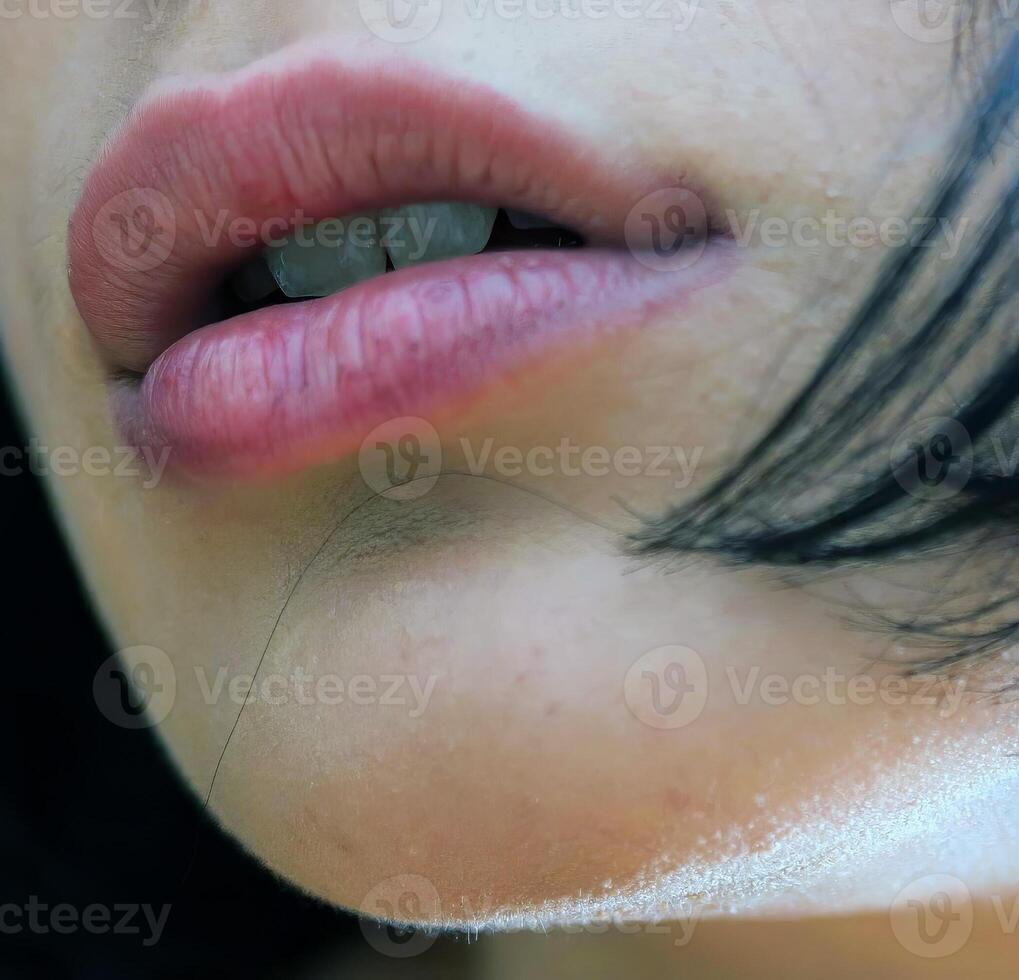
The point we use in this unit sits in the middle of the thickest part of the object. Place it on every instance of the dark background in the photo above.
(93, 813)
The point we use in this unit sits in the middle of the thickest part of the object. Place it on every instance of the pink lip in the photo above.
(293, 385)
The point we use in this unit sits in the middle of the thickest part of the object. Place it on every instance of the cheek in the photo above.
(499, 764)
(396, 733)
(502, 765)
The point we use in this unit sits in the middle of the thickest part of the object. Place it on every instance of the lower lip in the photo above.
(294, 385)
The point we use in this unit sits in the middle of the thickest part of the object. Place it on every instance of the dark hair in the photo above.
(893, 448)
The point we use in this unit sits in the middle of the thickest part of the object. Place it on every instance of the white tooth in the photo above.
(426, 232)
(254, 281)
(331, 256)
(525, 221)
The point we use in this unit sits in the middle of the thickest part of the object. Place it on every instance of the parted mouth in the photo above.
(277, 261)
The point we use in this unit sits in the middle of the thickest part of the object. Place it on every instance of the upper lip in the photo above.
(320, 140)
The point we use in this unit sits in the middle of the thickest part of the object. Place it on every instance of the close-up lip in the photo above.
(286, 386)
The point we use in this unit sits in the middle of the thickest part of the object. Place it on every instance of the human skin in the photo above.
(530, 786)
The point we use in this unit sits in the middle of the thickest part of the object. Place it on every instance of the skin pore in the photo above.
(515, 775)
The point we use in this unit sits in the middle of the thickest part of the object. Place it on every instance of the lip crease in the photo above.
(298, 384)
